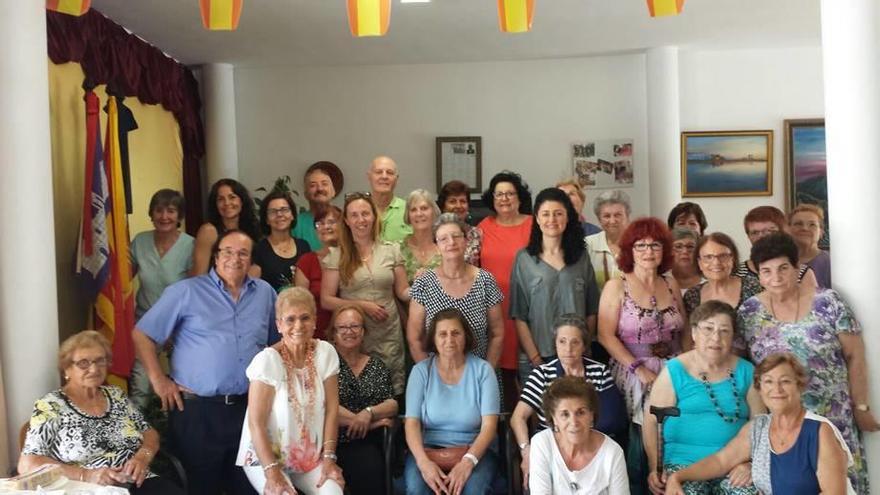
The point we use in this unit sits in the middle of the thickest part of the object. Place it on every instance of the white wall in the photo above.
(748, 90)
(528, 114)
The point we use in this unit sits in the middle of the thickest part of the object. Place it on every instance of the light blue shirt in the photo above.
(215, 338)
(452, 414)
(158, 272)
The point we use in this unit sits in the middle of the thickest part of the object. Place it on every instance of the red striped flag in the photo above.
(70, 7)
(369, 17)
(220, 15)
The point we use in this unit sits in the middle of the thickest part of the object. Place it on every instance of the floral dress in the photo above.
(296, 421)
(61, 431)
(814, 340)
(412, 264)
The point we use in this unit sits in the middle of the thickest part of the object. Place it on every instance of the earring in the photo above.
(66, 378)
(555, 429)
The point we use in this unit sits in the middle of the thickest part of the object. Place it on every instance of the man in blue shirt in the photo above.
(218, 322)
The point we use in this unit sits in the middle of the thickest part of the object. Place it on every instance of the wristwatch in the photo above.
(863, 407)
(471, 457)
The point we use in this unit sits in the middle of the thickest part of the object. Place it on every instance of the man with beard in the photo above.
(322, 182)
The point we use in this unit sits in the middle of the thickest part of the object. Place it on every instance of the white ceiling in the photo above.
(315, 32)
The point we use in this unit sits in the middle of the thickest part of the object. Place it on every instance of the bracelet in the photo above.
(329, 441)
(523, 445)
(330, 455)
(369, 409)
(267, 467)
(633, 366)
(471, 457)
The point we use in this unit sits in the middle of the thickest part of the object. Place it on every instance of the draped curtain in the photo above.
(110, 55)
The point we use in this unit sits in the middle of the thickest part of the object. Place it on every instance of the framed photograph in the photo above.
(727, 163)
(460, 158)
(806, 171)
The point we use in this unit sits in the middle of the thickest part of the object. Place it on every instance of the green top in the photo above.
(412, 265)
(305, 229)
(393, 228)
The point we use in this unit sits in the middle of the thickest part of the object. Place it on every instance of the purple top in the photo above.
(638, 328)
(821, 266)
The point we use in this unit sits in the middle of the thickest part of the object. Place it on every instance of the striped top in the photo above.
(751, 282)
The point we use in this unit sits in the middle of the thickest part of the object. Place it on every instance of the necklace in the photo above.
(704, 377)
(306, 377)
(797, 311)
(784, 439)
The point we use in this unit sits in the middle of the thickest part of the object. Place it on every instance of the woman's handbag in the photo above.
(447, 457)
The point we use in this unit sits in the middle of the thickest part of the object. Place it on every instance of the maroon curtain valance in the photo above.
(130, 66)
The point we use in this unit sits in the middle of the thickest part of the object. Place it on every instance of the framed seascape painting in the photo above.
(806, 177)
(727, 163)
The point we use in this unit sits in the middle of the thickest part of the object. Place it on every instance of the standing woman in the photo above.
(716, 260)
(308, 268)
(612, 209)
(160, 257)
(552, 276)
(687, 215)
(277, 253)
(418, 249)
(230, 207)
(684, 245)
(368, 273)
(453, 198)
(805, 224)
(576, 194)
(505, 233)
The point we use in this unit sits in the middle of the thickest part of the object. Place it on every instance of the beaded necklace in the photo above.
(302, 410)
(704, 378)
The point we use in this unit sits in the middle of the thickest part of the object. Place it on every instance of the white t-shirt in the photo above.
(548, 474)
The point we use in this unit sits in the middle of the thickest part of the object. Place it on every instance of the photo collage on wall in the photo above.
(603, 163)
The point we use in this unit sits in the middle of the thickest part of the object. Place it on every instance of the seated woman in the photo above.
(293, 400)
(452, 406)
(712, 388)
(91, 430)
(572, 457)
(572, 341)
(366, 403)
(792, 449)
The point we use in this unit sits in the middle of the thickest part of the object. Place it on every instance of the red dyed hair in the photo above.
(765, 214)
(639, 229)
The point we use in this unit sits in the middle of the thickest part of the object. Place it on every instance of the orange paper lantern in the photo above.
(220, 15)
(369, 17)
(661, 8)
(70, 7)
(515, 16)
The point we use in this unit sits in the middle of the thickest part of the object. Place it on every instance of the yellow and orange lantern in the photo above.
(70, 7)
(515, 16)
(369, 17)
(220, 15)
(662, 8)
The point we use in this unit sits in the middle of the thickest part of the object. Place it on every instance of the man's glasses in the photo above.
(230, 253)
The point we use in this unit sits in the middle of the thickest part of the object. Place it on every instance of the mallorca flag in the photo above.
(220, 15)
(93, 253)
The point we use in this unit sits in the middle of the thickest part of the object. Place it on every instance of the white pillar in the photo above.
(28, 292)
(221, 147)
(663, 129)
(851, 64)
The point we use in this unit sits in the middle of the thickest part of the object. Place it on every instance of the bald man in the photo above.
(383, 177)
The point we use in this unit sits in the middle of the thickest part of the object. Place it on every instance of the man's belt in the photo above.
(229, 400)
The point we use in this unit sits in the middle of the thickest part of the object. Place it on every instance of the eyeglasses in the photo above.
(709, 330)
(357, 195)
(277, 212)
(85, 364)
(328, 222)
(230, 253)
(449, 238)
(349, 328)
(722, 258)
(504, 194)
(644, 246)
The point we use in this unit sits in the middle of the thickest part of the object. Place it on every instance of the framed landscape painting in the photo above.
(727, 163)
(806, 176)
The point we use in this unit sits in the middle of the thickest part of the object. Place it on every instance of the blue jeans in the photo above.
(479, 483)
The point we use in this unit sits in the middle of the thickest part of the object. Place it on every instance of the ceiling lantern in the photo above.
(515, 16)
(70, 7)
(220, 15)
(369, 17)
(662, 8)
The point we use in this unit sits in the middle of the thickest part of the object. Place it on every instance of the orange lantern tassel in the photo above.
(70, 7)
(220, 15)
(662, 8)
(515, 16)
(369, 17)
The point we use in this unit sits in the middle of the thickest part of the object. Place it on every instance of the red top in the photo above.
(310, 266)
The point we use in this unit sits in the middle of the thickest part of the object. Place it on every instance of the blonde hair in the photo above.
(349, 260)
(774, 361)
(295, 296)
(576, 185)
(420, 195)
(807, 208)
(77, 341)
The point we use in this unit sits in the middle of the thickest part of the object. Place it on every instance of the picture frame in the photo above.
(460, 158)
(727, 163)
(806, 168)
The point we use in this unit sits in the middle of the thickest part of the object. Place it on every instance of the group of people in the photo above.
(294, 337)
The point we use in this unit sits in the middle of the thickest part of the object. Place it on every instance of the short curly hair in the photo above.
(764, 214)
(687, 208)
(639, 229)
(77, 341)
(264, 209)
(569, 387)
(718, 238)
(773, 361)
(774, 246)
(522, 191)
(451, 188)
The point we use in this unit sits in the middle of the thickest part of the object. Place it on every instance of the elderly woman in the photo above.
(277, 253)
(712, 388)
(571, 456)
(89, 429)
(641, 324)
(453, 198)
(687, 215)
(575, 193)
(572, 341)
(230, 207)
(452, 405)
(792, 449)
(460, 285)
(293, 403)
(818, 327)
(505, 233)
(760, 222)
(366, 403)
(160, 257)
(419, 251)
(308, 268)
(551, 276)
(612, 208)
(805, 224)
(716, 259)
(368, 273)
(684, 269)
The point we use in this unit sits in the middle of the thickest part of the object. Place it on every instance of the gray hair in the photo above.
(448, 219)
(420, 195)
(295, 296)
(680, 233)
(613, 197)
(573, 320)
